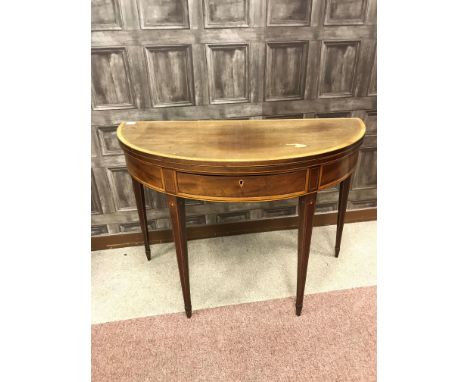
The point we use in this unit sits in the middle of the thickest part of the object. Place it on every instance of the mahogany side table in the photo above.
(241, 161)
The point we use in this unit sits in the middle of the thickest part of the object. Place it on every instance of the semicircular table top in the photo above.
(241, 140)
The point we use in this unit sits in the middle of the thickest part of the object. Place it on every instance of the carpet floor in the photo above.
(333, 340)
(228, 270)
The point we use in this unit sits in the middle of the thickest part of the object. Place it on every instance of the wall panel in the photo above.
(373, 80)
(338, 68)
(163, 14)
(170, 75)
(346, 12)
(111, 85)
(122, 189)
(108, 143)
(228, 73)
(95, 202)
(226, 13)
(105, 15)
(285, 70)
(288, 13)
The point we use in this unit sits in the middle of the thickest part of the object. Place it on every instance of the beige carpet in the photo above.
(333, 340)
(227, 271)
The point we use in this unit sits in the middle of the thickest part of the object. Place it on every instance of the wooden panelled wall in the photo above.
(221, 59)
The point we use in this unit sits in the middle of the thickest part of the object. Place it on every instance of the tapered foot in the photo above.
(298, 310)
(188, 311)
(337, 251)
(148, 253)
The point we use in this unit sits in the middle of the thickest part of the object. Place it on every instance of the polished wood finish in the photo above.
(228, 229)
(306, 216)
(342, 202)
(232, 141)
(249, 187)
(140, 203)
(338, 170)
(241, 161)
(151, 174)
(177, 212)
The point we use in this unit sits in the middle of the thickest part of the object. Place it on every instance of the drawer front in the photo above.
(147, 173)
(251, 187)
(336, 171)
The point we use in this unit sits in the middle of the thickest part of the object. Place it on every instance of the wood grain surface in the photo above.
(237, 141)
(241, 161)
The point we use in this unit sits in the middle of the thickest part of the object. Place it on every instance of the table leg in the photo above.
(177, 211)
(343, 201)
(139, 192)
(306, 216)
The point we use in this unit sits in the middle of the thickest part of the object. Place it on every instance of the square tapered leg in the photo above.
(139, 192)
(177, 211)
(306, 216)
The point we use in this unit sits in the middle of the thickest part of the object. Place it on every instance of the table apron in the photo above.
(242, 187)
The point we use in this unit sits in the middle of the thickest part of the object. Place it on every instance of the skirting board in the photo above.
(227, 229)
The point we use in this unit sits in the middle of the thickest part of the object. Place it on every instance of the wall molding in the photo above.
(228, 229)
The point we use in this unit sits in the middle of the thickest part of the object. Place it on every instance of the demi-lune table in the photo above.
(241, 161)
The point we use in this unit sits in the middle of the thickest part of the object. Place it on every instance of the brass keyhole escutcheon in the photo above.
(241, 183)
